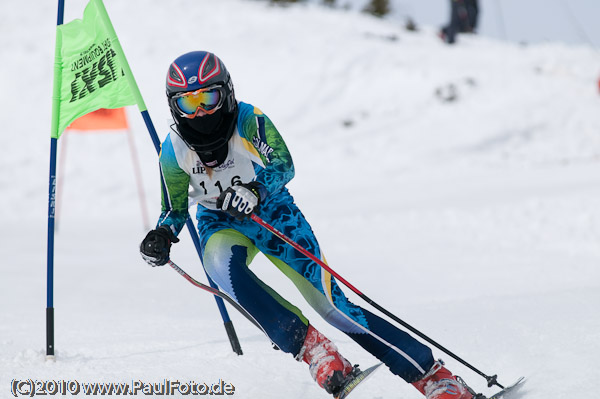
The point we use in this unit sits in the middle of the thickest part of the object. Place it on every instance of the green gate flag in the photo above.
(88, 69)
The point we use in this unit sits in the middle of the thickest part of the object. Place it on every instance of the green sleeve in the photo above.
(174, 189)
(258, 129)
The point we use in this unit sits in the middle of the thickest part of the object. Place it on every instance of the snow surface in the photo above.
(477, 221)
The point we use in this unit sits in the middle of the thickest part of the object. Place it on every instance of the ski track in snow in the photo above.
(476, 220)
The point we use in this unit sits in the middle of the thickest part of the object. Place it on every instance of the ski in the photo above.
(498, 394)
(361, 376)
(509, 388)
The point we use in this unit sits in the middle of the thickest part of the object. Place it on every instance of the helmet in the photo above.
(202, 102)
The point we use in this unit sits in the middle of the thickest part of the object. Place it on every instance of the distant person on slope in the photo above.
(463, 19)
(229, 158)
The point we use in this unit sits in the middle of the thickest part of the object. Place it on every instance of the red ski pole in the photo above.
(491, 380)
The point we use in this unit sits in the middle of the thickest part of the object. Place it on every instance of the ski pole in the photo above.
(234, 343)
(491, 380)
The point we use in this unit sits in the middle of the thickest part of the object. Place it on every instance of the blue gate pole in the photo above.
(52, 200)
(50, 252)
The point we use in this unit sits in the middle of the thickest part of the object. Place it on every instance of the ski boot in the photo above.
(439, 383)
(327, 367)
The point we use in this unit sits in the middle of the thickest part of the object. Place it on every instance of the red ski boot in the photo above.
(328, 368)
(439, 383)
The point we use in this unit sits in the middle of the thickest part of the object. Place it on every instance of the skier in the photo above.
(229, 158)
(463, 19)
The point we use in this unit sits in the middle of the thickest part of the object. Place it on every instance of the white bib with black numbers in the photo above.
(206, 184)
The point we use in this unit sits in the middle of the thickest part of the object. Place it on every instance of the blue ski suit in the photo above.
(258, 153)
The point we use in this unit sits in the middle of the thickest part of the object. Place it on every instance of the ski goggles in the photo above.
(200, 102)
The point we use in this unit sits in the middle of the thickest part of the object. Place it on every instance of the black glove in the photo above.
(240, 200)
(156, 246)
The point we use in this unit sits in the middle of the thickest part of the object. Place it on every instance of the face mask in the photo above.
(207, 124)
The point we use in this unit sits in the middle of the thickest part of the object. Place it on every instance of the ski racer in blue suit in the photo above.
(229, 159)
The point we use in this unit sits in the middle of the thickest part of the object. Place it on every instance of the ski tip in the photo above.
(360, 377)
(521, 380)
(505, 392)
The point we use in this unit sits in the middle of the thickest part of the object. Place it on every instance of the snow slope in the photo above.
(476, 220)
